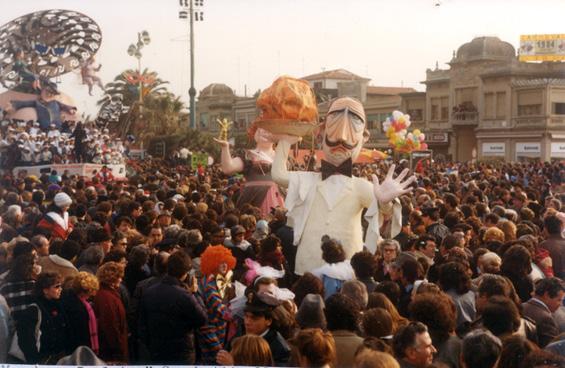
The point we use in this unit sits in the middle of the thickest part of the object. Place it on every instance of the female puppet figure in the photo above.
(88, 73)
(259, 189)
(216, 265)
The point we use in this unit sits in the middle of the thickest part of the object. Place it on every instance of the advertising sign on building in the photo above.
(558, 149)
(437, 137)
(530, 148)
(494, 148)
(548, 47)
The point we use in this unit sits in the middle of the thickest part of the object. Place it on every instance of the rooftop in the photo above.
(388, 91)
(485, 48)
(216, 89)
(341, 74)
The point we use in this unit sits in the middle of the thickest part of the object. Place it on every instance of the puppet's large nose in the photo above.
(344, 130)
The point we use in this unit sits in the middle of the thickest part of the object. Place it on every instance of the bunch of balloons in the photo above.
(396, 130)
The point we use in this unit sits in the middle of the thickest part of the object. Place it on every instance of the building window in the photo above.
(490, 105)
(317, 85)
(558, 108)
(435, 112)
(530, 102)
(439, 108)
(416, 114)
(204, 120)
(373, 121)
(444, 108)
(529, 110)
(501, 105)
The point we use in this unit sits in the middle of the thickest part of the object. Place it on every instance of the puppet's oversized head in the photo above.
(344, 130)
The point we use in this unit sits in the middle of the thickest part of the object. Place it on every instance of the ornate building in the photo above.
(488, 105)
(214, 102)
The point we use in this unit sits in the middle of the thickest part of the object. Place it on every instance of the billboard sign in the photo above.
(548, 47)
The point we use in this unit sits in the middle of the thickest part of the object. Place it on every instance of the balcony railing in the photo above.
(465, 118)
(532, 122)
(557, 120)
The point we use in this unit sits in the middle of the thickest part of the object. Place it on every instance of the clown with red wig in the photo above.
(216, 265)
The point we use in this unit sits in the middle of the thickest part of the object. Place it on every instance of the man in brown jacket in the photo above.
(555, 244)
(62, 261)
(341, 315)
(548, 297)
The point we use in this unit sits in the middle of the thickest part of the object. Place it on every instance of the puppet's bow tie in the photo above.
(344, 169)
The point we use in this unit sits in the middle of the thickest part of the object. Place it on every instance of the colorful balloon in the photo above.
(395, 128)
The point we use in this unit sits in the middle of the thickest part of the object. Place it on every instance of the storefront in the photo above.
(493, 151)
(439, 143)
(558, 150)
(527, 151)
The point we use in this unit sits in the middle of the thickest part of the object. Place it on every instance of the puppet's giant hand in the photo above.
(392, 188)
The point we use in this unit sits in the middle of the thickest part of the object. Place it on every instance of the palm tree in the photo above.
(163, 112)
(125, 89)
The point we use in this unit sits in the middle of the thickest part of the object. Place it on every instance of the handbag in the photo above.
(15, 350)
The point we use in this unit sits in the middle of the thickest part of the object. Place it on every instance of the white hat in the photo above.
(62, 200)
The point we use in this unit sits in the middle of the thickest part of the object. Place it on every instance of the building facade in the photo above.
(488, 105)
(218, 101)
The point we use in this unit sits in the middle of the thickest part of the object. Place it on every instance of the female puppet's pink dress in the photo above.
(259, 190)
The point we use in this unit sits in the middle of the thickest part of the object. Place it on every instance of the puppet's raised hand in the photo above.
(221, 142)
(392, 188)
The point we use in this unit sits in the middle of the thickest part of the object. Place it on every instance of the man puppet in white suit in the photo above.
(331, 202)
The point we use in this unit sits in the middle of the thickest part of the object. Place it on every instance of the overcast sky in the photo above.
(251, 42)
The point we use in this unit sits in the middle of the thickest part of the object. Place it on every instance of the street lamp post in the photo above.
(193, 13)
(134, 50)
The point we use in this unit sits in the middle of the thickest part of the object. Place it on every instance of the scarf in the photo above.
(62, 221)
(92, 325)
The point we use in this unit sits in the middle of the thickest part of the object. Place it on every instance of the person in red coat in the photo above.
(105, 175)
(56, 220)
(111, 314)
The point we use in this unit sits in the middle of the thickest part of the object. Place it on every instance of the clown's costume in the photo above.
(217, 264)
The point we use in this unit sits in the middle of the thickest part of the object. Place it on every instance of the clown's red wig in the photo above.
(213, 257)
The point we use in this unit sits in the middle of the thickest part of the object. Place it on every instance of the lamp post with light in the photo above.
(134, 50)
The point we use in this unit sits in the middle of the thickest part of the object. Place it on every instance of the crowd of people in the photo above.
(27, 144)
(166, 269)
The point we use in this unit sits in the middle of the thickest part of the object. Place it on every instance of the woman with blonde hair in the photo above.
(111, 314)
(508, 228)
(83, 327)
(247, 350)
(493, 234)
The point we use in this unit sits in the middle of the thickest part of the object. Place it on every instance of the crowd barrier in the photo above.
(84, 170)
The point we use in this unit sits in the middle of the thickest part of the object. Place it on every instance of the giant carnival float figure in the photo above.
(259, 189)
(329, 202)
(34, 50)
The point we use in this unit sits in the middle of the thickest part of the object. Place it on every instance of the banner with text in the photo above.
(85, 170)
(545, 47)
